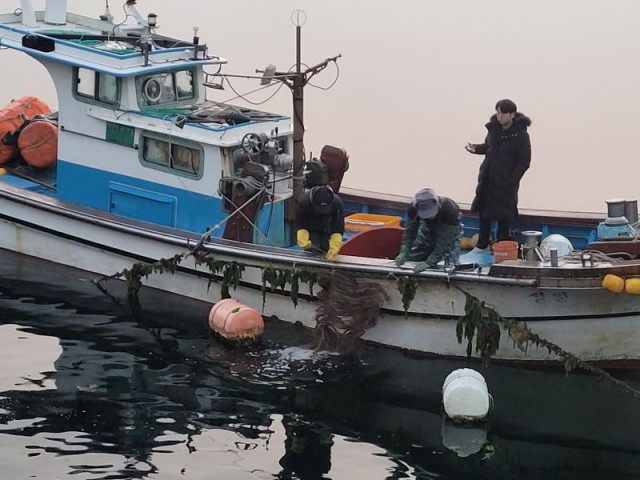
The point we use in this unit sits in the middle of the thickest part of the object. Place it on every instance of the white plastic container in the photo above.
(55, 12)
(465, 396)
(28, 13)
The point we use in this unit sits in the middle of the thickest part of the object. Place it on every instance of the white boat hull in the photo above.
(592, 323)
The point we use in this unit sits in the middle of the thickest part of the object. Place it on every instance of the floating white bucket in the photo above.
(465, 396)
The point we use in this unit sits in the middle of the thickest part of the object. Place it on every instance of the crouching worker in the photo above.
(320, 221)
(432, 232)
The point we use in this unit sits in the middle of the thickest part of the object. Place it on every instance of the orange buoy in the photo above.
(12, 118)
(38, 144)
(235, 321)
(613, 283)
(632, 286)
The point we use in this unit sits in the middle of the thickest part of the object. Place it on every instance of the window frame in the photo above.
(142, 82)
(97, 83)
(171, 141)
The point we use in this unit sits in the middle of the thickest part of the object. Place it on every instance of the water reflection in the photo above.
(27, 359)
(117, 400)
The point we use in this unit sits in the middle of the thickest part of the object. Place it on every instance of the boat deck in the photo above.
(21, 175)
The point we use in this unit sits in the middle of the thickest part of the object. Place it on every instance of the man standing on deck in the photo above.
(320, 221)
(507, 150)
(432, 232)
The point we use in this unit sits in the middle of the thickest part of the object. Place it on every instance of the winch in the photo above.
(530, 250)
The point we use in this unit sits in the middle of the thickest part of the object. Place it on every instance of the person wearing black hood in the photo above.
(507, 150)
(320, 221)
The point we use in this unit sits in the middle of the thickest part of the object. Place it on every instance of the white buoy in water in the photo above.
(465, 396)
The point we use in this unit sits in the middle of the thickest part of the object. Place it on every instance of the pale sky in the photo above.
(418, 79)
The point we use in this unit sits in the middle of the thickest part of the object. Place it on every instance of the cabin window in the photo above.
(167, 155)
(184, 84)
(165, 88)
(97, 87)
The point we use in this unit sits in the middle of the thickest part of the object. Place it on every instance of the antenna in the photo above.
(268, 74)
(106, 16)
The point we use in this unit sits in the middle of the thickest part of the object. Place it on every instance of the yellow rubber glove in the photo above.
(335, 242)
(303, 238)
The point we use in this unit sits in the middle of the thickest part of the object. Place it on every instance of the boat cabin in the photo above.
(137, 136)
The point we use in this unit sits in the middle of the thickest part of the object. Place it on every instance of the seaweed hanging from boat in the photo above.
(214, 266)
(133, 276)
(231, 276)
(483, 322)
(407, 287)
(231, 272)
(277, 278)
(281, 277)
(347, 307)
(228, 273)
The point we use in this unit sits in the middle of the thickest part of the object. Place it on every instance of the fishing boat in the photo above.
(139, 175)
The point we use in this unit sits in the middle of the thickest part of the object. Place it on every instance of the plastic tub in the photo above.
(360, 222)
(505, 250)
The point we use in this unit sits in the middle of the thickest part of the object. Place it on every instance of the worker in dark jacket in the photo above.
(507, 150)
(432, 231)
(320, 221)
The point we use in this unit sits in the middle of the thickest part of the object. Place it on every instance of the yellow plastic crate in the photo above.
(360, 222)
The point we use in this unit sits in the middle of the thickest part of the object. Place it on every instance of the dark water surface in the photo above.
(90, 391)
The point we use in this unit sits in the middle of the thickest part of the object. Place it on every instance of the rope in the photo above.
(596, 255)
(238, 211)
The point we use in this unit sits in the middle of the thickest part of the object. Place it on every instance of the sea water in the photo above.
(90, 389)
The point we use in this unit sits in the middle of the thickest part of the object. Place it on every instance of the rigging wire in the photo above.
(243, 95)
(238, 211)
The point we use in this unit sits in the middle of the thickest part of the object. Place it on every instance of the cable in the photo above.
(242, 96)
(238, 210)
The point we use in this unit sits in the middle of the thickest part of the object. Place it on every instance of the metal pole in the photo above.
(298, 127)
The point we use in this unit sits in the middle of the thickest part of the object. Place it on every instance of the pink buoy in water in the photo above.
(235, 321)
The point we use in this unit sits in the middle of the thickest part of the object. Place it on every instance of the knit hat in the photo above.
(322, 199)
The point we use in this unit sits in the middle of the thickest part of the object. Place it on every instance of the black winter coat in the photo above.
(507, 157)
(320, 227)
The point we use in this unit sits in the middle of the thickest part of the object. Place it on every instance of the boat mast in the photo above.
(296, 82)
(297, 90)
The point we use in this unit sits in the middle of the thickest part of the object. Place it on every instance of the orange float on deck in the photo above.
(12, 118)
(38, 144)
(235, 321)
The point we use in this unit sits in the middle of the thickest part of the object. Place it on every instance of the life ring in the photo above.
(152, 89)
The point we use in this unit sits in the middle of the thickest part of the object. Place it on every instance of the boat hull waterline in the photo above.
(592, 323)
